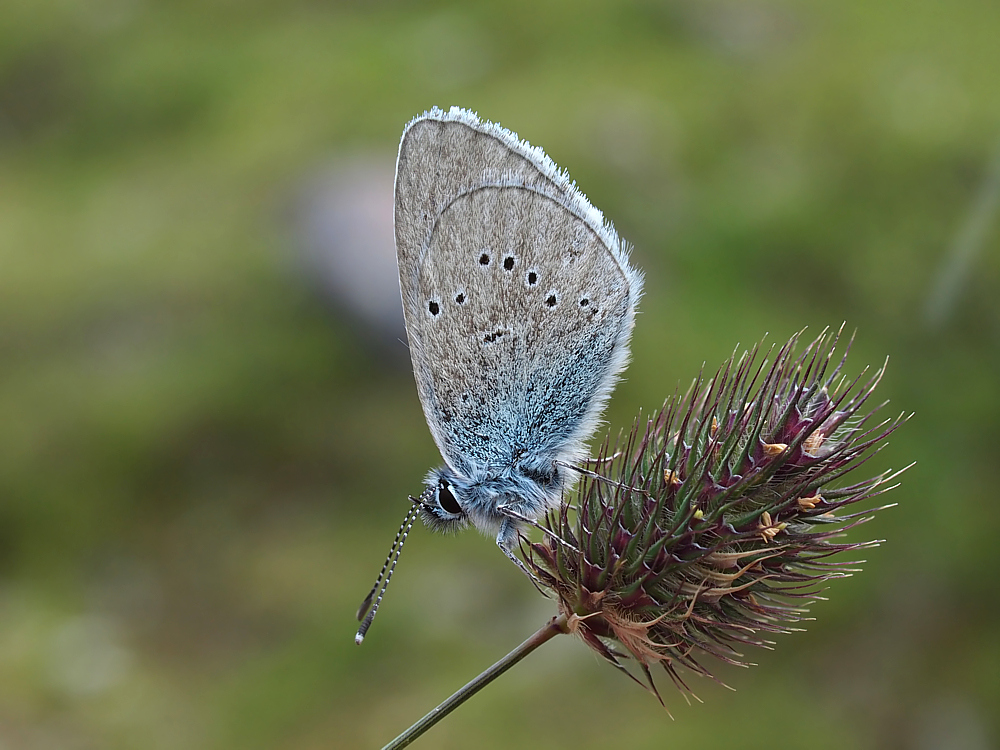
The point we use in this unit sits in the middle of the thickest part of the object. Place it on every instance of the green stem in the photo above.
(554, 627)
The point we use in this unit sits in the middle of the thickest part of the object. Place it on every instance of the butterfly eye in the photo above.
(446, 499)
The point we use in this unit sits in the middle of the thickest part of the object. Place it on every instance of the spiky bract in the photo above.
(711, 525)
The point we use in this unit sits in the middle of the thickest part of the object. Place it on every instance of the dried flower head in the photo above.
(711, 526)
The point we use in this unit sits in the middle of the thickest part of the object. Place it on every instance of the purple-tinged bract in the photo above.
(712, 525)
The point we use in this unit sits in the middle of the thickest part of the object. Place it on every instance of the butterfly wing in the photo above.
(518, 297)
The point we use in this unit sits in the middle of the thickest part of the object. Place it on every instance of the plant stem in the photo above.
(554, 627)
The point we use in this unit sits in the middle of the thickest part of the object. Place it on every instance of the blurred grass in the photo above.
(201, 467)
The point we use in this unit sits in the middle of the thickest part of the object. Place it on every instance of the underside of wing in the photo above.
(518, 297)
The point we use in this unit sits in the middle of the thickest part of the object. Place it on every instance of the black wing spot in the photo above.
(508, 263)
(433, 307)
(484, 259)
(532, 278)
(551, 300)
(460, 298)
(584, 302)
(489, 338)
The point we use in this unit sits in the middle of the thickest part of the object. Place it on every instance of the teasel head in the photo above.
(713, 525)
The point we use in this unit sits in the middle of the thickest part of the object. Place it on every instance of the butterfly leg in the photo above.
(602, 459)
(506, 539)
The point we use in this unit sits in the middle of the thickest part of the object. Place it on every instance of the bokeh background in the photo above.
(208, 426)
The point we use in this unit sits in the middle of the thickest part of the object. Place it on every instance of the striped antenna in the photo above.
(368, 608)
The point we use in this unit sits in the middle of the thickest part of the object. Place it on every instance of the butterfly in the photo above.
(519, 302)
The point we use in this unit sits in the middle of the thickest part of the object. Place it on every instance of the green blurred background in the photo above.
(207, 443)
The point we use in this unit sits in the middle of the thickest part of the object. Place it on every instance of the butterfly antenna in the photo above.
(367, 609)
